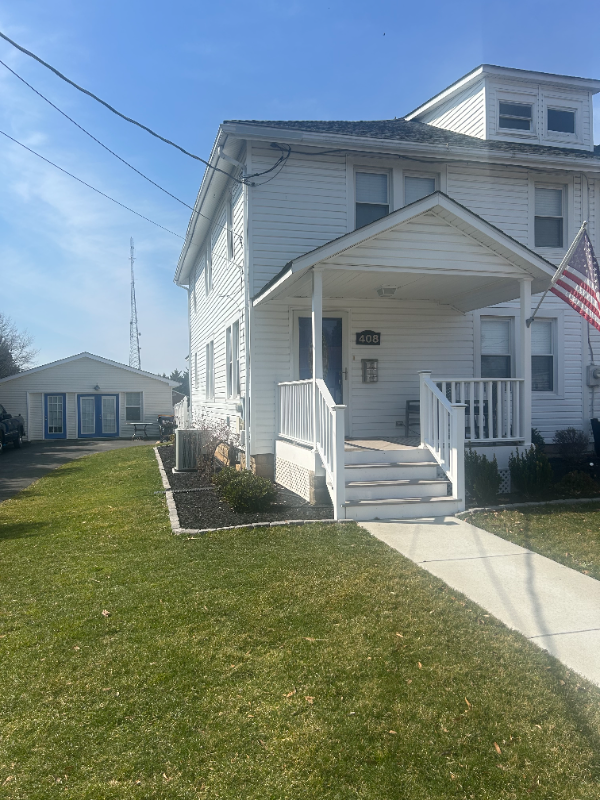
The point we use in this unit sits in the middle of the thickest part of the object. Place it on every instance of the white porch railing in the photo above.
(493, 407)
(443, 433)
(308, 415)
(295, 407)
(182, 414)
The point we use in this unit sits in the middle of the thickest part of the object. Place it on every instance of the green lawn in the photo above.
(280, 663)
(568, 534)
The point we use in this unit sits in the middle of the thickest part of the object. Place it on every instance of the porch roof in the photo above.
(434, 249)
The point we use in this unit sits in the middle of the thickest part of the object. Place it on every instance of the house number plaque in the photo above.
(368, 337)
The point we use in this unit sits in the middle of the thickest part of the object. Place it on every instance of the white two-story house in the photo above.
(414, 250)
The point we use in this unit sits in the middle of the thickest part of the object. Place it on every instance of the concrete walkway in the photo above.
(20, 468)
(553, 606)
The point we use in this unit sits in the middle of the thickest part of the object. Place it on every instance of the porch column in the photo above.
(317, 338)
(317, 322)
(525, 360)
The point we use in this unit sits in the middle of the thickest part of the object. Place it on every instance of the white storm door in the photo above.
(109, 415)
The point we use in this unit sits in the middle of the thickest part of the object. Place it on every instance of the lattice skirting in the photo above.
(295, 478)
(505, 482)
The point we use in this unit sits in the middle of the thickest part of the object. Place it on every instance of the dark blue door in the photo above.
(332, 354)
(55, 416)
(98, 415)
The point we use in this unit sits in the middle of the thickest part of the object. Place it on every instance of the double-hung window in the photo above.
(196, 376)
(496, 347)
(372, 197)
(133, 406)
(515, 116)
(232, 358)
(229, 226)
(549, 216)
(542, 355)
(209, 383)
(561, 121)
(208, 276)
(417, 186)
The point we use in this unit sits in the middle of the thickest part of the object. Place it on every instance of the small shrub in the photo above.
(538, 440)
(530, 473)
(572, 444)
(248, 492)
(213, 433)
(482, 478)
(577, 484)
(224, 477)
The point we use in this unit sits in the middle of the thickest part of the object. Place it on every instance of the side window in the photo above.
(208, 279)
(496, 347)
(543, 359)
(561, 121)
(229, 224)
(549, 216)
(196, 376)
(232, 359)
(372, 197)
(133, 406)
(209, 386)
(514, 116)
(417, 186)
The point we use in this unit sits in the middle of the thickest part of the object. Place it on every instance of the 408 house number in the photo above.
(368, 337)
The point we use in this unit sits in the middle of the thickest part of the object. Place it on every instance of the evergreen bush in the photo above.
(224, 476)
(572, 444)
(248, 492)
(577, 484)
(538, 440)
(482, 478)
(530, 473)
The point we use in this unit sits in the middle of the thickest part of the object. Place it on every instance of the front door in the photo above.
(55, 416)
(334, 372)
(98, 415)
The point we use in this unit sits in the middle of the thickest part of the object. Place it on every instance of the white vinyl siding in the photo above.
(133, 406)
(464, 113)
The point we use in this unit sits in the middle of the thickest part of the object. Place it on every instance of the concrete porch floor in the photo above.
(395, 443)
(553, 606)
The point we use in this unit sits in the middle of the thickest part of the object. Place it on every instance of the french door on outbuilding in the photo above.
(98, 415)
(55, 416)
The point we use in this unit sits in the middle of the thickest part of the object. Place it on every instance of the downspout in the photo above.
(248, 307)
(190, 360)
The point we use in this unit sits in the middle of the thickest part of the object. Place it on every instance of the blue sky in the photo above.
(181, 68)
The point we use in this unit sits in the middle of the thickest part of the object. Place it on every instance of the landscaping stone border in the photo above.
(193, 533)
(509, 507)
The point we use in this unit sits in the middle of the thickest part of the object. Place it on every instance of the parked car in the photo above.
(12, 429)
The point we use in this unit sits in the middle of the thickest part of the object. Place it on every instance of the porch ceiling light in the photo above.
(387, 291)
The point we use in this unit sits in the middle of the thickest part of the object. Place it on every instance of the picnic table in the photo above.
(139, 429)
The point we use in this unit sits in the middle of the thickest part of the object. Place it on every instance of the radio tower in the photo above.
(135, 360)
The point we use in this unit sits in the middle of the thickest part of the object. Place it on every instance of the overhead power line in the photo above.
(89, 186)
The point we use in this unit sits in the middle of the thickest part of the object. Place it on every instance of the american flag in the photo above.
(578, 281)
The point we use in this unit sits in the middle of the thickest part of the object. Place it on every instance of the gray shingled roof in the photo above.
(412, 131)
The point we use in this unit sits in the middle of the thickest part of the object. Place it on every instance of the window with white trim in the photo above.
(417, 187)
(133, 406)
(496, 347)
(229, 226)
(543, 361)
(196, 376)
(232, 358)
(515, 116)
(561, 120)
(372, 197)
(208, 276)
(209, 384)
(549, 216)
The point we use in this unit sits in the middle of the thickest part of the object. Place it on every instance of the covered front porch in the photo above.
(395, 306)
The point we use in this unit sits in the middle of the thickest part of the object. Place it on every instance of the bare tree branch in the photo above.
(16, 348)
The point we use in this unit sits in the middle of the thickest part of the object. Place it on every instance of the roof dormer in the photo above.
(514, 105)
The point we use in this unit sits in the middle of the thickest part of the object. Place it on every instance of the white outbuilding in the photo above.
(86, 397)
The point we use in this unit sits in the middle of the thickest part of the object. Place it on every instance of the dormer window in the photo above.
(372, 197)
(561, 121)
(515, 116)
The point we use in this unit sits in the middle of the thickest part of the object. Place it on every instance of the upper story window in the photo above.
(515, 116)
(549, 216)
(232, 358)
(417, 186)
(372, 197)
(229, 225)
(561, 121)
(542, 355)
(196, 376)
(208, 276)
(496, 348)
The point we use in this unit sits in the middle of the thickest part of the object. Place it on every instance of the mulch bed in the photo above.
(199, 506)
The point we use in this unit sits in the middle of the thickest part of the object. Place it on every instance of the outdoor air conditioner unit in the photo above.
(188, 449)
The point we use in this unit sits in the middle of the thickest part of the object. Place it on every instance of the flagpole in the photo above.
(562, 266)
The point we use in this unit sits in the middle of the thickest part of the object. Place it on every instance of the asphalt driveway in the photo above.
(19, 468)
